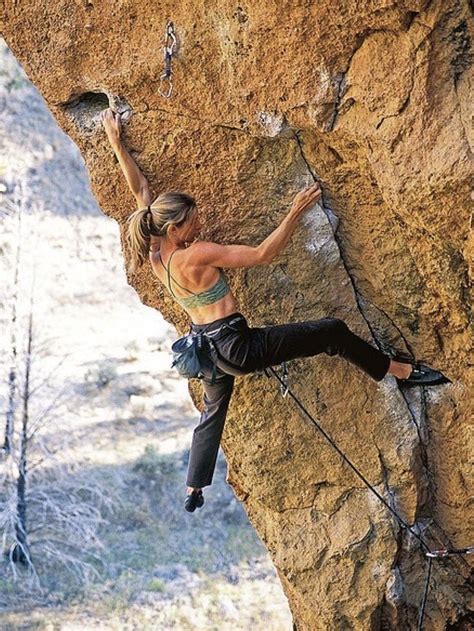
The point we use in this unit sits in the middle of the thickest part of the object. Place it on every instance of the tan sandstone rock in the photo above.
(375, 101)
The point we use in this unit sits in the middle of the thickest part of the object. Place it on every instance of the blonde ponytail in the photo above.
(138, 238)
(168, 209)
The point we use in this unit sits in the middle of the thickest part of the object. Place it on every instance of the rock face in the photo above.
(373, 100)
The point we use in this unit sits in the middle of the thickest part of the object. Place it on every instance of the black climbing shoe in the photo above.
(423, 375)
(193, 500)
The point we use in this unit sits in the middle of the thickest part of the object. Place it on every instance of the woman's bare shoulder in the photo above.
(219, 255)
(200, 244)
(204, 246)
(199, 249)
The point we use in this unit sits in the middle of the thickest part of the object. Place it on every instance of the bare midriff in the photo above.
(220, 309)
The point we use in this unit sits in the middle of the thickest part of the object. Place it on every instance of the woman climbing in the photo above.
(168, 228)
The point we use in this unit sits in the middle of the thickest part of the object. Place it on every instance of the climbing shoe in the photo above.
(193, 500)
(423, 375)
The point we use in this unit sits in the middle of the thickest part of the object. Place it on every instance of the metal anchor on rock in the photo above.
(168, 53)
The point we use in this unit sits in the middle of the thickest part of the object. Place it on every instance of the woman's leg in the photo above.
(207, 434)
(283, 342)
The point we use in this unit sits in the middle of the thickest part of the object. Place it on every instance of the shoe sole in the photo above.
(437, 382)
(192, 507)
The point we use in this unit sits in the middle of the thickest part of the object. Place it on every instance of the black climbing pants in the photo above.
(243, 349)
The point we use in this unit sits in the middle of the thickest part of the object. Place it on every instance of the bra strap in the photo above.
(169, 276)
(167, 270)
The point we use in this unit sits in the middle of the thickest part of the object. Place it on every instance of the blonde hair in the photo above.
(169, 209)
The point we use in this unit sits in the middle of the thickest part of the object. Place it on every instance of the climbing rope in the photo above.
(425, 595)
(429, 554)
(168, 53)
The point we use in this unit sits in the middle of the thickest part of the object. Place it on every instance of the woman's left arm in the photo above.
(136, 180)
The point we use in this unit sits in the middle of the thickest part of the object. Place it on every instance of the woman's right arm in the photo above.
(209, 253)
(136, 181)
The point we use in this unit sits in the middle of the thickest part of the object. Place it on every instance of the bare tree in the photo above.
(49, 513)
(13, 344)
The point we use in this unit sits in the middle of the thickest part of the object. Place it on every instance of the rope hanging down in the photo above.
(425, 595)
(429, 554)
(168, 53)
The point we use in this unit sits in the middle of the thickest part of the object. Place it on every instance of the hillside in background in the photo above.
(117, 431)
(374, 101)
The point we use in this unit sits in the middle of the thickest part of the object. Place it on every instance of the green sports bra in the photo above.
(206, 297)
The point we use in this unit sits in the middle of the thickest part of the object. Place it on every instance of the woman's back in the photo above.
(197, 299)
(202, 295)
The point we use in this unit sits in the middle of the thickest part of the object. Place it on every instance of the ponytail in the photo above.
(171, 208)
(140, 228)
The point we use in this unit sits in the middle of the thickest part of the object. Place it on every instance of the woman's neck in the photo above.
(165, 244)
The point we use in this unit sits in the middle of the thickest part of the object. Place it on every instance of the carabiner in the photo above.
(168, 52)
(284, 387)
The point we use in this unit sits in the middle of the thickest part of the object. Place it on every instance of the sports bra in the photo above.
(206, 297)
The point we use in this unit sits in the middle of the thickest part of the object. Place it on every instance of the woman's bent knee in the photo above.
(335, 326)
(335, 334)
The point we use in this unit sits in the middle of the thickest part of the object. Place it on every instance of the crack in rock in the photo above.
(340, 78)
(340, 82)
(385, 476)
(337, 240)
(425, 480)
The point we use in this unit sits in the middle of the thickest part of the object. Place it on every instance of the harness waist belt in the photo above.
(219, 329)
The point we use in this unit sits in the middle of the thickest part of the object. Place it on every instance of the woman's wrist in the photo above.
(116, 144)
(293, 216)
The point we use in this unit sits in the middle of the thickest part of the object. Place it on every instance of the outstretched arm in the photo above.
(209, 253)
(136, 180)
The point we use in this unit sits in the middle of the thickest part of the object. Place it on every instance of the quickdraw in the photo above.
(439, 554)
(168, 53)
(284, 387)
(430, 554)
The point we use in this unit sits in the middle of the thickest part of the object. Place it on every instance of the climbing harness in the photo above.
(168, 53)
(194, 351)
(429, 554)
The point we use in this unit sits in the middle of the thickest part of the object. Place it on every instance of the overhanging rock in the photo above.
(373, 100)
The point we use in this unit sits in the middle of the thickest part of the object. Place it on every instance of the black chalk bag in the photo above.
(188, 356)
